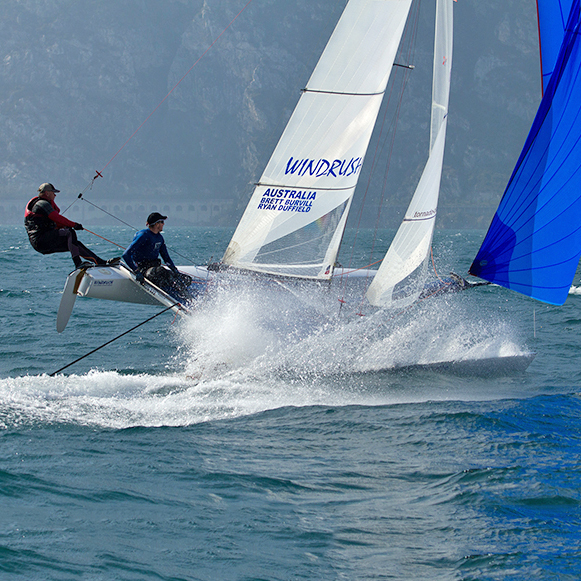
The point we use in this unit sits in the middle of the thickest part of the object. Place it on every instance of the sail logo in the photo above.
(338, 168)
(423, 215)
(283, 200)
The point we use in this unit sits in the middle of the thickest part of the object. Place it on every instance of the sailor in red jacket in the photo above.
(50, 232)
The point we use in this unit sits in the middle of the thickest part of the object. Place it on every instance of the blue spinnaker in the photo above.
(533, 244)
(553, 16)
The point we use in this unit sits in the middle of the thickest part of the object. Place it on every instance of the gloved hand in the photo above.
(140, 277)
(78, 226)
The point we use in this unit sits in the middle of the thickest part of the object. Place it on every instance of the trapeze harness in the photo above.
(37, 221)
(50, 232)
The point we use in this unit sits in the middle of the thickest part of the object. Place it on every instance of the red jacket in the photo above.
(38, 216)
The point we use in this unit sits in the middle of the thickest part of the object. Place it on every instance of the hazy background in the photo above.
(78, 78)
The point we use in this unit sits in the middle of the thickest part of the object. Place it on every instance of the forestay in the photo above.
(295, 219)
(533, 244)
(401, 276)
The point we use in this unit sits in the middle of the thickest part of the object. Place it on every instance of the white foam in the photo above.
(247, 350)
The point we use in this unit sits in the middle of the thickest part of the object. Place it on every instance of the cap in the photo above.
(155, 217)
(47, 188)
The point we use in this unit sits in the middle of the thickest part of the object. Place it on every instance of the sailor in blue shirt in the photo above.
(142, 256)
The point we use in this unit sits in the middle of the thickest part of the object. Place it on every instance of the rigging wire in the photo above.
(360, 214)
(99, 174)
(174, 87)
(390, 131)
(409, 58)
(351, 270)
(434, 267)
(80, 197)
(114, 339)
(103, 237)
(189, 259)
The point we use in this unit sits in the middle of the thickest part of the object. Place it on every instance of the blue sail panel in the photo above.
(533, 244)
(552, 16)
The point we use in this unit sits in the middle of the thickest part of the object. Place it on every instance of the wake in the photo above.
(250, 349)
(262, 333)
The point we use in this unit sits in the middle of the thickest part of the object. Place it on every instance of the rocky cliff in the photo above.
(79, 78)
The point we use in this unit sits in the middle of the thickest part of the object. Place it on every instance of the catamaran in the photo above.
(294, 222)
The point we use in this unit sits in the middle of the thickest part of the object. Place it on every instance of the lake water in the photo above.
(250, 443)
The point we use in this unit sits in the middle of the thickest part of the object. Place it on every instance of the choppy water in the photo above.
(233, 446)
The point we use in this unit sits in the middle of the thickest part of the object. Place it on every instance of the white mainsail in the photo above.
(401, 276)
(295, 219)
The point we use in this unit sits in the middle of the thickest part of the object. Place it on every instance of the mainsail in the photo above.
(296, 216)
(533, 244)
(401, 276)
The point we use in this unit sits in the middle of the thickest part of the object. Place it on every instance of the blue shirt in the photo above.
(146, 246)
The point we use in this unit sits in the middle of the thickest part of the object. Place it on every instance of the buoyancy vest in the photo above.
(38, 221)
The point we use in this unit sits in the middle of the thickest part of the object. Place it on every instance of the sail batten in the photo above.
(314, 169)
(343, 93)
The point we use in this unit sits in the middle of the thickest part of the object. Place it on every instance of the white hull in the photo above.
(118, 283)
(115, 283)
